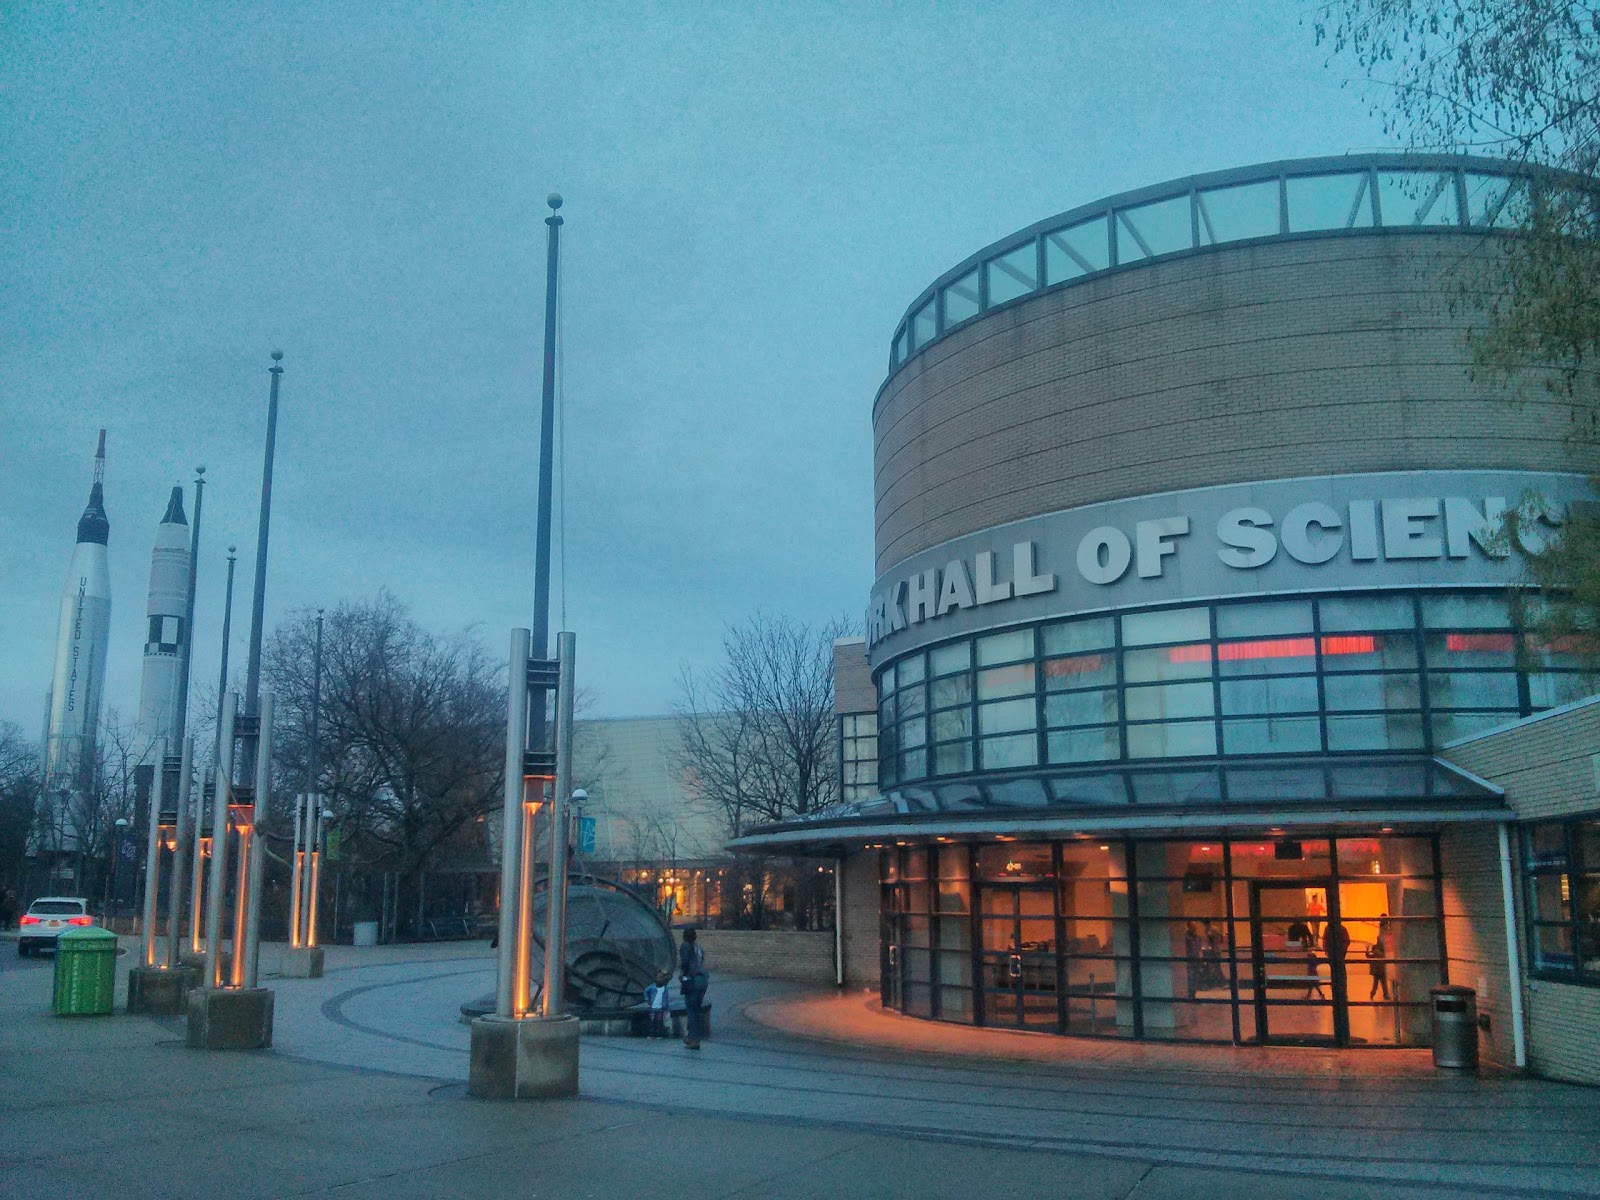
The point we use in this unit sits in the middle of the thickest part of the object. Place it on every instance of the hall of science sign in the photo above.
(1344, 532)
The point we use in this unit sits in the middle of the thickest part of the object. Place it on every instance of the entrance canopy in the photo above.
(1409, 790)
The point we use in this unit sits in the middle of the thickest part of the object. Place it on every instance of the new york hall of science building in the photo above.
(1193, 704)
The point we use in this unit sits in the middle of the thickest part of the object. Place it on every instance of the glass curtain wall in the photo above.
(1337, 674)
(1332, 941)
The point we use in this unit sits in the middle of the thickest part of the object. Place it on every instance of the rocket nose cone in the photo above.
(175, 514)
(93, 525)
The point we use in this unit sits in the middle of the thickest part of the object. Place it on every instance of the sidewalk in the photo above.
(118, 1106)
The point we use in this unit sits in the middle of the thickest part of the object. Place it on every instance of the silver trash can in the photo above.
(1455, 1028)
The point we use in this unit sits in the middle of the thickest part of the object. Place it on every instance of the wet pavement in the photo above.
(801, 1092)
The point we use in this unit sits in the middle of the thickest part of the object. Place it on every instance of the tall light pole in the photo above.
(252, 686)
(196, 944)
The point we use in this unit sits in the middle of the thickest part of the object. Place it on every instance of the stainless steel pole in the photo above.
(838, 921)
(216, 758)
(219, 840)
(306, 881)
(180, 859)
(180, 726)
(251, 901)
(252, 686)
(511, 821)
(555, 944)
(298, 867)
(314, 874)
(152, 856)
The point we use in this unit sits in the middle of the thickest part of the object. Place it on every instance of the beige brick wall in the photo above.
(798, 955)
(1259, 362)
(1475, 930)
(1546, 763)
(1564, 1031)
(853, 690)
(861, 931)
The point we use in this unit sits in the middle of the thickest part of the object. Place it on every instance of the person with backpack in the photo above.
(693, 979)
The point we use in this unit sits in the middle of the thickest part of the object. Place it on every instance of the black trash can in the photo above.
(1455, 1028)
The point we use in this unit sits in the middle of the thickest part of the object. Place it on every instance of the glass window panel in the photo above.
(1148, 230)
(1080, 670)
(1570, 652)
(954, 864)
(1368, 651)
(1418, 198)
(945, 693)
(1547, 846)
(1176, 787)
(913, 764)
(1586, 840)
(1246, 210)
(1343, 693)
(1012, 860)
(913, 733)
(916, 863)
(1253, 696)
(1497, 201)
(1260, 620)
(953, 724)
(919, 1000)
(922, 326)
(1447, 727)
(1170, 625)
(1013, 274)
(1074, 637)
(1471, 649)
(1272, 735)
(1083, 745)
(1389, 731)
(955, 1004)
(1013, 751)
(909, 670)
(1169, 701)
(1076, 251)
(1175, 740)
(886, 711)
(1015, 680)
(1008, 716)
(1094, 707)
(1472, 689)
(1470, 611)
(1167, 662)
(900, 345)
(912, 701)
(954, 967)
(1552, 948)
(944, 660)
(961, 299)
(1343, 613)
(1276, 783)
(1005, 647)
(1267, 656)
(1108, 787)
(1329, 202)
(953, 758)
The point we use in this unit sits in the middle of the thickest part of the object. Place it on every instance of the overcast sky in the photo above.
(754, 194)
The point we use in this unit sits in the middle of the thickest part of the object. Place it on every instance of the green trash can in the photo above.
(86, 973)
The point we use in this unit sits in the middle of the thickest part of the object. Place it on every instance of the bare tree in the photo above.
(21, 779)
(757, 732)
(411, 739)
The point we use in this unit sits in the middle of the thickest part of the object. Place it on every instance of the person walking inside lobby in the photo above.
(1378, 961)
(693, 979)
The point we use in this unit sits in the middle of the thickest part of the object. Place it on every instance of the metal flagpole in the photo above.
(508, 985)
(305, 903)
(250, 896)
(219, 840)
(252, 687)
(555, 958)
(179, 858)
(198, 898)
(299, 866)
(319, 835)
(152, 856)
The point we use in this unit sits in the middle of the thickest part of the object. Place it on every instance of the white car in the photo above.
(48, 918)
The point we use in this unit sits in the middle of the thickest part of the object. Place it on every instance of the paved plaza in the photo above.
(800, 1093)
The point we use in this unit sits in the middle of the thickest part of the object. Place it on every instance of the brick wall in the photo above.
(1546, 764)
(1270, 361)
(802, 956)
(1475, 930)
(853, 689)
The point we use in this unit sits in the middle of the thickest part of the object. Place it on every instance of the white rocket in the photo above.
(82, 636)
(163, 643)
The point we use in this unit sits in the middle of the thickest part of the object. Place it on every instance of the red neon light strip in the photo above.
(1498, 643)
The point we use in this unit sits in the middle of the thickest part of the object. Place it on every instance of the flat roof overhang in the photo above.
(1040, 806)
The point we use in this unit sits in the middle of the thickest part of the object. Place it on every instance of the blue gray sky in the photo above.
(754, 194)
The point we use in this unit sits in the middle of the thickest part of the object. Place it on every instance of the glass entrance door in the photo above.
(1295, 963)
(1018, 966)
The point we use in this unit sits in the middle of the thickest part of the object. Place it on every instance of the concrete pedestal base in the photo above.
(530, 1059)
(232, 1019)
(301, 962)
(160, 991)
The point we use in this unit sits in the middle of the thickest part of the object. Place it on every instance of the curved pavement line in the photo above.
(1323, 1165)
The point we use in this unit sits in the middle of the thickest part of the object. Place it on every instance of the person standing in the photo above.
(693, 979)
